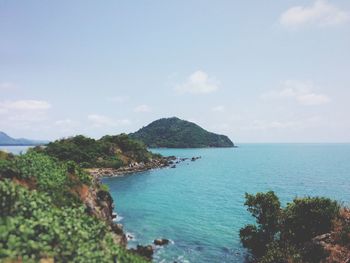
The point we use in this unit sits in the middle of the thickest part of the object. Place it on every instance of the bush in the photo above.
(33, 228)
(106, 152)
(265, 207)
(285, 235)
(48, 175)
(308, 217)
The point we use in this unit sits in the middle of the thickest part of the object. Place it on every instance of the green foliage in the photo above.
(284, 235)
(48, 175)
(275, 253)
(176, 133)
(32, 227)
(104, 187)
(108, 152)
(308, 217)
(133, 149)
(265, 207)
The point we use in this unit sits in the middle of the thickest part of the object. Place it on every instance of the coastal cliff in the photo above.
(58, 189)
(55, 210)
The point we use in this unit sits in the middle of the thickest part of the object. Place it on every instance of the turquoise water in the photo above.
(199, 205)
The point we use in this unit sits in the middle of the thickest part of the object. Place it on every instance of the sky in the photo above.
(257, 71)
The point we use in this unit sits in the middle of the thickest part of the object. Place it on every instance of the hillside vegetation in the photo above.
(177, 133)
(46, 217)
(107, 152)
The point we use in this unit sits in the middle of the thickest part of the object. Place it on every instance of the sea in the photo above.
(199, 205)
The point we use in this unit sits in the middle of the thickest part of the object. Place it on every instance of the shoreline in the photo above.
(145, 251)
(134, 167)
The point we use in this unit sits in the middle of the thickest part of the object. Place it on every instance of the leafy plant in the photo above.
(109, 151)
(284, 234)
(32, 227)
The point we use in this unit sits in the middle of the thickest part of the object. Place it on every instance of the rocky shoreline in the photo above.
(134, 167)
(101, 204)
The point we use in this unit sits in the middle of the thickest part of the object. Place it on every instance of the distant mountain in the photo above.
(177, 133)
(7, 140)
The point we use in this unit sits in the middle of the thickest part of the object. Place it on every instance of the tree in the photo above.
(266, 208)
(308, 217)
(285, 235)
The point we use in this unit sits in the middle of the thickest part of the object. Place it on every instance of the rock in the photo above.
(144, 251)
(161, 241)
(118, 229)
(173, 166)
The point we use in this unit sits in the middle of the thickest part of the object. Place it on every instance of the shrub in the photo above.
(89, 153)
(285, 235)
(265, 207)
(308, 217)
(32, 228)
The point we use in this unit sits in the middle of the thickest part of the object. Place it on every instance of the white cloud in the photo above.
(321, 13)
(26, 114)
(20, 111)
(219, 108)
(198, 82)
(298, 91)
(6, 86)
(98, 121)
(24, 105)
(143, 108)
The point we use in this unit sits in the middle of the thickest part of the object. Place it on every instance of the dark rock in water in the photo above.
(161, 241)
(199, 248)
(117, 228)
(225, 249)
(195, 158)
(144, 251)
(114, 215)
(173, 166)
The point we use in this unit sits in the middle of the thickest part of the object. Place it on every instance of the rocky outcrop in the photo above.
(100, 204)
(133, 167)
(144, 251)
(161, 241)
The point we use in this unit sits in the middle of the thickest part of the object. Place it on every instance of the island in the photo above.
(176, 133)
(9, 141)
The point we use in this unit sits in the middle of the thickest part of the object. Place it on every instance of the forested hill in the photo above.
(176, 133)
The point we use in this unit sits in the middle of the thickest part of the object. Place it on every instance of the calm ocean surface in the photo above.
(199, 205)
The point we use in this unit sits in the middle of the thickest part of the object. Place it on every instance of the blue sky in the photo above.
(258, 71)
